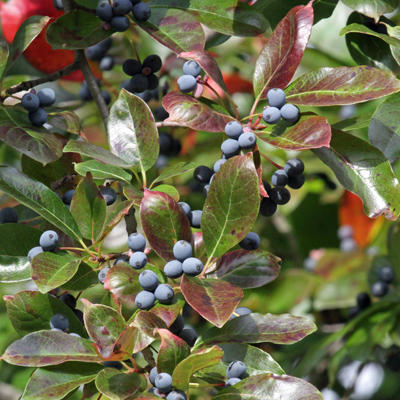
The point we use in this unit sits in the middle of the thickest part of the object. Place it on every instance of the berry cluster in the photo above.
(60, 322)
(346, 237)
(278, 108)
(8, 216)
(291, 175)
(194, 216)
(386, 276)
(98, 52)
(162, 384)
(235, 372)
(187, 333)
(107, 192)
(85, 95)
(48, 242)
(35, 103)
(187, 83)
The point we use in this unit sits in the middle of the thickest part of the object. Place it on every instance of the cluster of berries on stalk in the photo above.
(188, 82)
(162, 385)
(278, 108)
(35, 103)
(235, 372)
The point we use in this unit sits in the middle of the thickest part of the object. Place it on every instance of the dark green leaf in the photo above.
(393, 244)
(20, 239)
(14, 269)
(100, 170)
(83, 279)
(174, 170)
(65, 121)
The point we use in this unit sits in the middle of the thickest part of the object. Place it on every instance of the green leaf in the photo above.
(372, 8)
(100, 170)
(115, 213)
(65, 121)
(76, 30)
(42, 348)
(172, 351)
(54, 383)
(364, 170)
(88, 208)
(232, 205)
(341, 86)
(83, 279)
(50, 270)
(257, 328)
(168, 313)
(39, 198)
(174, 170)
(20, 239)
(394, 32)
(31, 311)
(214, 299)
(393, 244)
(197, 360)
(117, 385)
(132, 132)
(14, 269)
(163, 222)
(134, 194)
(169, 190)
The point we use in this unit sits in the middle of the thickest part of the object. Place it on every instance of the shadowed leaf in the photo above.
(372, 8)
(100, 170)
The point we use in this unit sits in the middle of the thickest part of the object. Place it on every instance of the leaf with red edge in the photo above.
(283, 51)
(191, 113)
(310, 132)
(163, 222)
(199, 246)
(341, 86)
(172, 351)
(123, 346)
(214, 299)
(248, 269)
(168, 313)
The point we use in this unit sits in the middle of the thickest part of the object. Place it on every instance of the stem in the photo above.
(137, 177)
(254, 126)
(72, 248)
(144, 177)
(249, 116)
(255, 104)
(167, 123)
(208, 263)
(271, 161)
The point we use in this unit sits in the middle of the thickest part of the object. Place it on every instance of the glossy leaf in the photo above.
(283, 51)
(168, 313)
(232, 205)
(257, 328)
(174, 170)
(56, 382)
(187, 111)
(20, 239)
(100, 170)
(310, 132)
(78, 29)
(341, 86)
(39, 198)
(364, 170)
(44, 348)
(394, 33)
(172, 351)
(372, 8)
(132, 132)
(163, 222)
(14, 269)
(83, 278)
(65, 121)
(214, 299)
(248, 269)
(50, 270)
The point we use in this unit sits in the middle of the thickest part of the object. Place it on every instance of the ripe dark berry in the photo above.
(280, 195)
(120, 23)
(173, 269)
(218, 164)
(192, 266)
(279, 178)
(271, 115)
(103, 274)
(148, 280)
(268, 207)
(98, 50)
(232, 381)
(47, 97)
(163, 382)
(141, 11)
(236, 369)
(296, 182)
(182, 250)
(8, 216)
(160, 114)
(48, 240)
(153, 62)
(30, 101)
(386, 274)
(106, 96)
(144, 300)
(177, 326)
(138, 260)
(34, 252)
(136, 241)
(58, 4)
(131, 67)
(121, 7)
(152, 82)
(189, 335)
(250, 242)
(290, 113)
(191, 67)
(109, 194)
(233, 129)
(67, 196)
(79, 315)
(185, 208)
(187, 83)
(164, 293)
(240, 311)
(195, 220)
(294, 167)
(230, 148)
(84, 92)
(152, 375)
(379, 289)
(165, 141)
(176, 395)
(247, 141)
(106, 63)
(59, 322)
(68, 300)
(104, 11)
(113, 364)
(203, 174)
(363, 300)
(38, 117)
(276, 98)
(138, 83)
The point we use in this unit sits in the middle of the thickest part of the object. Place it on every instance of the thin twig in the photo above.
(168, 123)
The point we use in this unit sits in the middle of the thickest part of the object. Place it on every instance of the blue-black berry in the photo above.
(189, 335)
(131, 67)
(379, 289)
(47, 97)
(230, 148)
(182, 250)
(120, 23)
(153, 62)
(268, 207)
(38, 117)
(276, 98)
(187, 83)
(192, 266)
(48, 240)
(218, 164)
(250, 242)
(122, 7)
(136, 241)
(141, 11)
(203, 174)
(138, 260)
(236, 369)
(386, 274)
(34, 252)
(271, 115)
(30, 101)
(195, 220)
(144, 300)
(164, 293)
(279, 178)
(148, 280)
(59, 322)
(173, 269)
(103, 274)
(191, 67)
(233, 129)
(109, 194)
(290, 113)
(104, 11)
(163, 382)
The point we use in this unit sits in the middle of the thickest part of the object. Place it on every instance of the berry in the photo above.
(79, 315)
(191, 68)
(203, 174)
(38, 117)
(138, 83)
(250, 242)
(104, 11)
(164, 293)
(112, 364)
(232, 381)
(136, 241)
(34, 252)
(153, 62)
(47, 97)
(187, 83)
(233, 129)
(8, 215)
(109, 194)
(152, 375)
(120, 23)
(163, 382)
(279, 178)
(230, 148)
(106, 63)
(48, 240)
(59, 322)
(345, 232)
(195, 220)
(68, 300)
(103, 274)
(144, 300)
(182, 250)
(294, 167)
(185, 208)
(84, 92)
(271, 115)
(152, 82)
(280, 195)
(192, 266)
(122, 259)
(131, 67)
(268, 207)
(189, 335)
(165, 141)
(58, 4)
(138, 260)
(106, 96)
(121, 7)
(290, 113)
(177, 326)
(175, 395)
(386, 274)
(160, 113)
(241, 311)
(98, 50)
(30, 102)
(379, 289)
(348, 245)
(218, 164)
(236, 369)
(148, 280)
(247, 140)
(276, 98)
(67, 196)
(173, 269)
(363, 300)
(141, 11)
(296, 182)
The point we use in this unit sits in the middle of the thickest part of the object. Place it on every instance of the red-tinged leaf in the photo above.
(257, 328)
(270, 386)
(199, 246)
(123, 347)
(189, 112)
(134, 194)
(168, 313)
(232, 205)
(341, 86)
(311, 132)
(283, 51)
(214, 299)
(163, 222)
(248, 269)
(43, 348)
(198, 360)
(172, 351)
